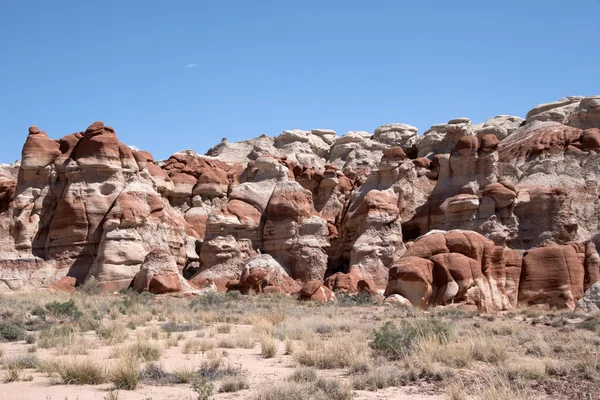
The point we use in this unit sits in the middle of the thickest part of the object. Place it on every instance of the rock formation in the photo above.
(501, 214)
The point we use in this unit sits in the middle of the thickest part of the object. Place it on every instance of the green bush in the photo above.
(591, 324)
(397, 342)
(68, 309)
(203, 388)
(362, 299)
(10, 332)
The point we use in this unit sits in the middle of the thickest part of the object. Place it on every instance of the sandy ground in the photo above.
(258, 371)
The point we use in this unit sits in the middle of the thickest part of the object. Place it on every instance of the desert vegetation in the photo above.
(125, 346)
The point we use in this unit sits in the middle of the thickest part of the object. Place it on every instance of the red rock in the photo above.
(551, 275)
(500, 193)
(422, 162)
(489, 143)
(411, 277)
(590, 139)
(467, 145)
(158, 274)
(395, 152)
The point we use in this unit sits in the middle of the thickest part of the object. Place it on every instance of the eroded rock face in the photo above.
(590, 302)
(310, 212)
(455, 267)
(83, 207)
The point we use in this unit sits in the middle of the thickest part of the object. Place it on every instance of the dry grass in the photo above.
(143, 351)
(463, 354)
(349, 351)
(240, 342)
(126, 374)
(268, 346)
(233, 384)
(113, 333)
(195, 346)
(224, 328)
(78, 371)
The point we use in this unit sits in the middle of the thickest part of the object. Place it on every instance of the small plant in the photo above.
(30, 338)
(184, 374)
(224, 328)
(126, 375)
(175, 327)
(27, 361)
(362, 299)
(91, 288)
(303, 375)
(198, 346)
(79, 372)
(379, 378)
(203, 388)
(334, 390)
(233, 384)
(112, 332)
(112, 395)
(289, 347)
(396, 343)
(591, 323)
(13, 373)
(144, 351)
(67, 309)
(10, 332)
(268, 346)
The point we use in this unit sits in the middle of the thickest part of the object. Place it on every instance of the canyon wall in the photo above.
(496, 215)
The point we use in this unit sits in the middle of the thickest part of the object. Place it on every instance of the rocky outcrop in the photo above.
(590, 302)
(83, 207)
(493, 215)
(456, 267)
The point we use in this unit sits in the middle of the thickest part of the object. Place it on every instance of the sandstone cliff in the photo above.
(497, 215)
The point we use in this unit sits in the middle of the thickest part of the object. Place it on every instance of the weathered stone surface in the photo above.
(311, 210)
(590, 302)
(456, 267)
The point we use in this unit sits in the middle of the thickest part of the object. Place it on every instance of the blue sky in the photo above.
(266, 66)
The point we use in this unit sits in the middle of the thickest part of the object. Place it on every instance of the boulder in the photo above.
(590, 302)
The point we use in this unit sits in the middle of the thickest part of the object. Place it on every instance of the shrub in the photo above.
(184, 374)
(303, 375)
(198, 346)
(126, 374)
(112, 332)
(68, 309)
(591, 323)
(90, 287)
(175, 327)
(55, 336)
(339, 352)
(10, 332)
(154, 374)
(213, 367)
(361, 299)
(283, 391)
(268, 346)
(80, 372)
(203, 388)
(379, 378)
(396, 343)
(333, 389)
(211, 300)
(144, 351)
(224, 328)
(233, 384)
(27, 361)
(13, 373)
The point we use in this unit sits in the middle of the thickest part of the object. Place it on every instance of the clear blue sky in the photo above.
(265, 66)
